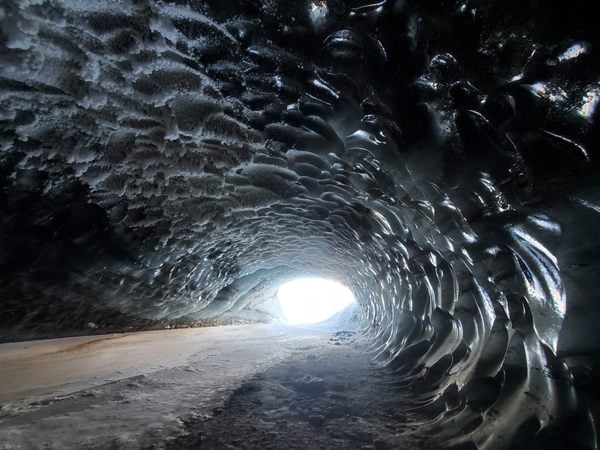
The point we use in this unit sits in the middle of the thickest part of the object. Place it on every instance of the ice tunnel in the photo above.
(172, 164)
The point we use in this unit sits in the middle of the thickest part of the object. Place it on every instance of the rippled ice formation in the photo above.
(174, 162)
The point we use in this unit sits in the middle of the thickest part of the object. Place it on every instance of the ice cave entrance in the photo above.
(307, 301)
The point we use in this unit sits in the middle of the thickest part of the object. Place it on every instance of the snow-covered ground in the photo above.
(131, 390)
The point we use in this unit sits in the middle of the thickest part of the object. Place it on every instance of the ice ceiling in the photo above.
(173, 163)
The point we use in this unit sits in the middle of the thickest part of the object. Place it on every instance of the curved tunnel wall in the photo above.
(167, 164)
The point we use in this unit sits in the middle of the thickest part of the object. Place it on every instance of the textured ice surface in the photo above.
(167, 163)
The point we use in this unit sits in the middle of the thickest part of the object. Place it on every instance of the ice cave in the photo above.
(173, 171)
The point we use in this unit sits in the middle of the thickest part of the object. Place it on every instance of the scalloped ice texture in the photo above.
(166, 164)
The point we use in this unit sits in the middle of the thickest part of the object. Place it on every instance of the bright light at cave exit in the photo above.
(312, 300)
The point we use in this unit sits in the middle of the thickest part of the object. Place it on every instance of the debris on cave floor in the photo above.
(340, 337)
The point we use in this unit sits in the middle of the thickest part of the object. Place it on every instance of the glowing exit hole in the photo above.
(312, 300)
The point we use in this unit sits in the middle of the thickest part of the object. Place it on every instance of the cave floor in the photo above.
(261, 386)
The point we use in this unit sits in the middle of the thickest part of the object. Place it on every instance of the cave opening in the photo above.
(306, 301)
